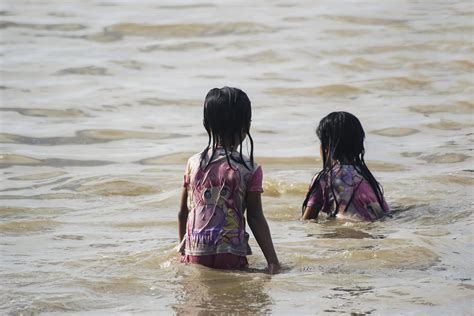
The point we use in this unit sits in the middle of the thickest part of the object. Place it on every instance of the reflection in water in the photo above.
(205, 291)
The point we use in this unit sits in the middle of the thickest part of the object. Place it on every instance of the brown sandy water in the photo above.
(101, 107)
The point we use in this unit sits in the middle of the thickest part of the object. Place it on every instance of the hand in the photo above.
(273, 268)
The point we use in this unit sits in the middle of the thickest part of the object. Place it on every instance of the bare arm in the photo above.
(183, 213)
(258, 225)
(310, 212)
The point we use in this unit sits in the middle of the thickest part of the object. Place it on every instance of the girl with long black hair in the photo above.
(223, 184)
(345, 185)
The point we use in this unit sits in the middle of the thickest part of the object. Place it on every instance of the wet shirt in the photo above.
(216, 222)
(351, 191)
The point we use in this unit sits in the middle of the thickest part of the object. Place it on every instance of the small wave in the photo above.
(278, 188)
(187, 30)
(395, 131)
(188, 6)
(66, 113)
(187, 46)
(8, 160)
(397, 83)
(88, 70)
(85, 137)
(448, 125)
(267, 56)
(19, 211)
(104, 37)
(111, 188)
(445, 158)
(275, 77)
(362, 64)
(332, 90)
(460, 107)
(169, 102)
(348, 32)
(118, 285)
(39, 176)
(145, 224)
(27, 226)
(43, 27)
(177, 158)
(384, 166)
(365, 20)
(285, 161)
(129, 64)
(460, 178)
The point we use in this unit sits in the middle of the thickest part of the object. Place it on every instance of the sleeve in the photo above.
(255, 183)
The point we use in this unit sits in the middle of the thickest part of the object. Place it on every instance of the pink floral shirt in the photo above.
(216, 222)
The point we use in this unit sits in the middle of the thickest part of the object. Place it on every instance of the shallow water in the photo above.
(101, 107)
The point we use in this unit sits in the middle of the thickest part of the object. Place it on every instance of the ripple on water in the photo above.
(187, 30)
(448, 125)
(39, 176)
(332, 90)
(145, 224)
(110, 187)
(163, 102)
(266, 56)
(278, 188)
(46, 27)
(398, 83)
(365, 20)
(85, 137)
(270, 76)
(87, 70)
(118, 285)
(104, 37)
(46, 112)
(348, 32)
(286, 161)
(384, 166)
(27, 226)
(21, 211)
(362, 64)
(460, 107)
(445, 158)
(180, 47)
(396, 131)
(410, 154)
(461, 179)
(8, 160)
(177, 158)
(129, 64)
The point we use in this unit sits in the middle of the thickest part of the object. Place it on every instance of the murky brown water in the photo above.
(101, 107)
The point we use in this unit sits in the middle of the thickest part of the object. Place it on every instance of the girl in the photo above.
(222, 183)
(345, 185)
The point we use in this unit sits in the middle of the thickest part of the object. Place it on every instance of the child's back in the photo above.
(352, 192)
(223, 184)
(216, 222)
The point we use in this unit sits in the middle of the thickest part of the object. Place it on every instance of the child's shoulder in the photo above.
(194, 160)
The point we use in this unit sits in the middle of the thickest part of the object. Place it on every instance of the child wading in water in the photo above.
(222, 183)
(345, 185)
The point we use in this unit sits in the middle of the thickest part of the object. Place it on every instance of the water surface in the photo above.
(101, 107)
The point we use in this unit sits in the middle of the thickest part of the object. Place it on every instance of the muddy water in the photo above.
(101, 106)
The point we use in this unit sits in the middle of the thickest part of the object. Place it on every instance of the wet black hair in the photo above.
(227, 116)
(342, 139)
